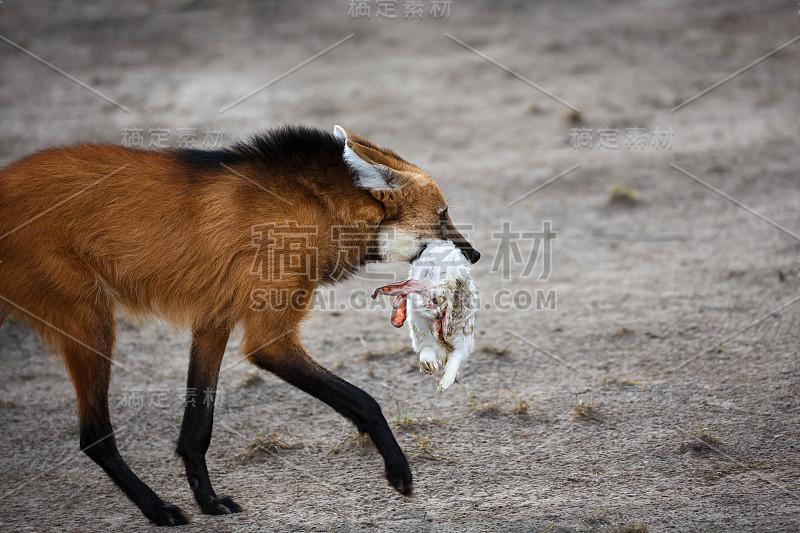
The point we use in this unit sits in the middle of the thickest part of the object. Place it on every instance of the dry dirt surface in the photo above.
(638, 372)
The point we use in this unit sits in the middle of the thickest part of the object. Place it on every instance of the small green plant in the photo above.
(274, 442)
(424, 444)
(425, 448)
(482, 408)
(471, 399)
(703, 433)
(407, 419)
(352, 441)
(271, 444)
(521, 406)
(573, 117)
(700, 441)
(620, 195)
(589, 411)
(622, 332)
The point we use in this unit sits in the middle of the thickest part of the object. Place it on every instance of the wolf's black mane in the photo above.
(285, 147)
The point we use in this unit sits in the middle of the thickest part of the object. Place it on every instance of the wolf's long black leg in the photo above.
(295, 366)
(208, 347)
(90, 370)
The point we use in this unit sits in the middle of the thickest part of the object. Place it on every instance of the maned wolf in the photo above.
(90, 229)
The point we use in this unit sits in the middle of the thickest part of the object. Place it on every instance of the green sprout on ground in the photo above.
(269, 444)
(589, 411)
(487, 408)
(353, 441)
(407, 419)
(620, 195)
(521, 406)
(425, 448)
(700, 441)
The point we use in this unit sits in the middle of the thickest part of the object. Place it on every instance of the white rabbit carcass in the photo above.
(442, 309)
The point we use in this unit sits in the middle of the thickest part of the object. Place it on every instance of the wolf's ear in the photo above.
(373, 169)
(344, 135)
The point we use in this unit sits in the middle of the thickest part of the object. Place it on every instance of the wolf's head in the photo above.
(416, 212)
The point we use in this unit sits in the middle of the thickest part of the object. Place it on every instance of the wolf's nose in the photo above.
(476, 255)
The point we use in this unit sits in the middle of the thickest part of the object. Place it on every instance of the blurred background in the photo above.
(635, 369)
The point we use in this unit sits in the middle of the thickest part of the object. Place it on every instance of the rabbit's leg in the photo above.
(451, 369)
(427, 360)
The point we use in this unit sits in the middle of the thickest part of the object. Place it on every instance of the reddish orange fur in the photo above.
(89, 230)
(149, 237)
(147, 234)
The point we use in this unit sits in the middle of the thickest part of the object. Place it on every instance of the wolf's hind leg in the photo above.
(87, 354)
(208, 347)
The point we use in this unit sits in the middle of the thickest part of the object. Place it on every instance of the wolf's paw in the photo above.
(221, 505)
(399, 477)
(166, 514)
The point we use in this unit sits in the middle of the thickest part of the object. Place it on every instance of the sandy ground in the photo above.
(655, 395)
